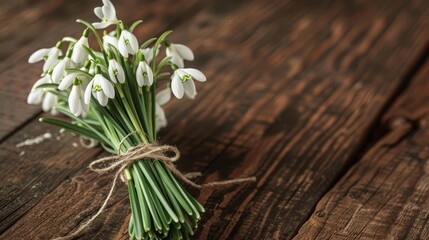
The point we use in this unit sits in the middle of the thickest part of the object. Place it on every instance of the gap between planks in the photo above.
(374, 134)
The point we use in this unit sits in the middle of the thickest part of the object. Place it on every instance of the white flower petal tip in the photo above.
(76, 100)
(178, 53)
(107, 15)
(116, 72)
(109, 40)
(163, 96)
(59, 70)
(49, 101)
(177, 87)
(196, 74)
(182, 82)
(144, 74)
(39, 55)
(67, 81)
(127, 44)
(101, 89)
(80, 54)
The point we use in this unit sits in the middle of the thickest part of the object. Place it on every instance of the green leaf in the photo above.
(69, 39)
(134, 25)
(71, 127)
(145, 44)
(75, 70)
(47, 85)
(161, 64)
(135, 209)
(59, 95)
(158, 42)
(90, 52)
(79, 120)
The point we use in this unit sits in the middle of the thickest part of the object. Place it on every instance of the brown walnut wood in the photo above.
(294, 89)
(385, 195)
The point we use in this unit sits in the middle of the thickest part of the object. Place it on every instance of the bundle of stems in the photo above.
(110, 95)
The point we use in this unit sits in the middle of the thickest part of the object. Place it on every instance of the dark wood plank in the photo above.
(44, 166)
(385, 195)
(346, 71)
(292, 89)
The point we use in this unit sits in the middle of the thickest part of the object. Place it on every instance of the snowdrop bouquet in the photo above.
(114, 93)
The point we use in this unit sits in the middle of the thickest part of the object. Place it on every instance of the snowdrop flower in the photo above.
(161, 98)
(76, 99)
(107, 39)
(39, 55)
(79, 54)
(148, 54)
(50, 55)
(101, 89)
(40, 95)
(144, 74)
(107, 14)
(127, 44)
(53, 58)
(36, 94)
(178, 53)
(116, 72)
(183, 82)
(59, 69)
(49, 102)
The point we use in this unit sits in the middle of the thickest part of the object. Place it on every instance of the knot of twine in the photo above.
(145, 151)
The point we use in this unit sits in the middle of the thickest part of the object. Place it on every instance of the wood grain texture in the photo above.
(385, 195)
(294, 89)
(30, 177)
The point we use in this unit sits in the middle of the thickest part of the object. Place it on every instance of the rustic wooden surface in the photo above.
(325, 102)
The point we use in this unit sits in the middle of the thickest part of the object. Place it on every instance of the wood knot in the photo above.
(320, 214)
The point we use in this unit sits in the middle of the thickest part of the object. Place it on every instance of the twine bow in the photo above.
(145, 151)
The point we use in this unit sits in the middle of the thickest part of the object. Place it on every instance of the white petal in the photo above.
(122, 46)
(49, 101)
(139, 74)
(107, 87)
(109, 40)
(184, 51)
(67, 81)
(58, 72)
(149, 75)
(112, 68)
(176, 59)
(101, 25)
(109, 11)
(161, 120)
(196, 74)
(52, 59)
(98, 12)
(88, 91)
(102, 99)
(35, 96)
(38, 55)
(121, 74)
(79, 53)
(190, 90)
(168, 52)
(74, 101)
(147, 53)
(133, 44)
(163, 96)
(41, 81)
(177, 86)
(148, 80)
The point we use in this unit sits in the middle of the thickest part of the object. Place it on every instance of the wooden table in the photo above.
(325, 102)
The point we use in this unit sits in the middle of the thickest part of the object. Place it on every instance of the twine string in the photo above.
(144, 151)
